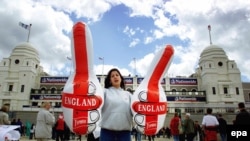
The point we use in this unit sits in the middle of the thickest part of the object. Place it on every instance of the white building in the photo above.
(19, 73)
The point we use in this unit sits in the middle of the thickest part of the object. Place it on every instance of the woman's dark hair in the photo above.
(108, 81)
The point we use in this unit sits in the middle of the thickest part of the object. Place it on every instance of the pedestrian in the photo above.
(13, 122)
(198, 131)
(60, 127)
(4, 117)
(20, 124)
(243, 117)
(210, 126)
(222, 127)
(44, 122)
(175, 123)
(168, 132)
(116, 123)
(67, 132)
(188, 125)
(32, 131)
(134, 133)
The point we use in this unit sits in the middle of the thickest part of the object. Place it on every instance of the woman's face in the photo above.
(115, 79)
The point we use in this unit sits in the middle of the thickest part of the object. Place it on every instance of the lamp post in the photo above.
(70, 59)
(135, 65)
(102, 59)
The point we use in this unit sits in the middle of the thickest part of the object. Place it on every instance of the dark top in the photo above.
(242, 118)
(222, 125)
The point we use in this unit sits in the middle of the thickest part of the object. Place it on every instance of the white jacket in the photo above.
(44, 122)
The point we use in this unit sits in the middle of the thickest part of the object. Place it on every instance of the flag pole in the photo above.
(102, 65)
(29, 33)
(135, 65)
(209, 30)
(102, 59)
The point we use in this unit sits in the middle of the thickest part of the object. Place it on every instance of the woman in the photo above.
(174, 127)
(60, 128)
(116, 123)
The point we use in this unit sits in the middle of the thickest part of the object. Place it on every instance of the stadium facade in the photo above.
(216, 83)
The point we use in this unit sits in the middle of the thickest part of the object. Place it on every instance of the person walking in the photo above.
(44, 122)
(210, 126)
(188, 126)
(32, 131)
(174, 126)
(20, 124)
(4, 117)
(198, 131)
(59, 127)
(222, 127)
(243, 117)
(116, 122)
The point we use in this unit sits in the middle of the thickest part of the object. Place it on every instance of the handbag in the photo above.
(180, 128)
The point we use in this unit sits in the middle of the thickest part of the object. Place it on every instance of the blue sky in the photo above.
(128, 33)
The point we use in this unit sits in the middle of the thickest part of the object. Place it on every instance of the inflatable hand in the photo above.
(149, 103)
(82, 96)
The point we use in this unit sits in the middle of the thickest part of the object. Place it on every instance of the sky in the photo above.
(128, 33)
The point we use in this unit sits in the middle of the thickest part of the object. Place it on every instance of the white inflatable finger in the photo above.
(149, 103)
(82, 96)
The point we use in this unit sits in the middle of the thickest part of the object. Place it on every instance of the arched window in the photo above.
(174, 91)
(53, 90)
(183, 91)
(43, 90)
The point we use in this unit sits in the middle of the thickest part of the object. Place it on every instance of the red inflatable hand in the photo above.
(149, 103)
(82, 95)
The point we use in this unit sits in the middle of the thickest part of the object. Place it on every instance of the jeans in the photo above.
(138, 136)
(176, 137)
(110, 135)
(223, 137)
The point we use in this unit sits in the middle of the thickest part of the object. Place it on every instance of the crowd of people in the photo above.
(117, 123)
(211, 125)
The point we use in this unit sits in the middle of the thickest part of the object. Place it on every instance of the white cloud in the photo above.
(129, 31)
(148, 40)
(187, 21)
(134, 42)
(92, 9)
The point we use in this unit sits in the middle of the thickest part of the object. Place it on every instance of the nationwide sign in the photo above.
(139, 80)
(128, 80)
(45, 97)
(53, 79)
(182, 81)
(186, 99)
